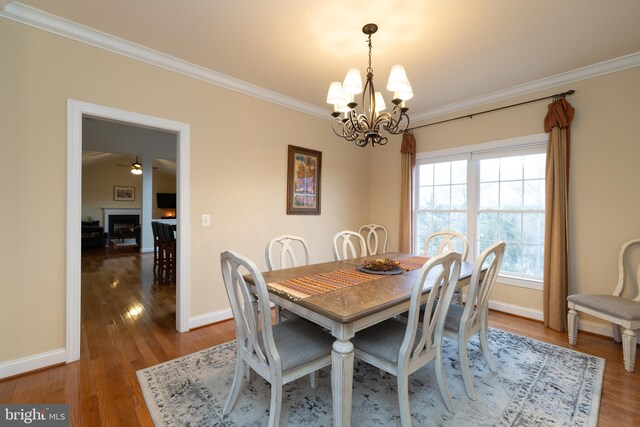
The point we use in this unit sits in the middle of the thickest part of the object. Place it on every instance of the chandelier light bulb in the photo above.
(403, 92)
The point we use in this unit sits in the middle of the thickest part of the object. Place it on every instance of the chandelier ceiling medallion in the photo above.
(366, 127)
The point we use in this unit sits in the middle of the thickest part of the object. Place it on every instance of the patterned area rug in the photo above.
(538, 384)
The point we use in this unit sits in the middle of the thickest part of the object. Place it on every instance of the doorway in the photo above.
(76, 111)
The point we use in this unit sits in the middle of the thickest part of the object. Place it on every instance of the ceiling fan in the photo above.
(136, 167)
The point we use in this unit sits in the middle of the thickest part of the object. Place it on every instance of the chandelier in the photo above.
(366, 127)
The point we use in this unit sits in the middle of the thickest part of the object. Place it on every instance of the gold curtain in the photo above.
(408, 164)
(556, 237)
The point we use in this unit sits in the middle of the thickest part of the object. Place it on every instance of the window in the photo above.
(488, 192)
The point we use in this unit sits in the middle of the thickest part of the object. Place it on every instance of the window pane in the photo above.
(510, 227)
(532, 260)
(426, 198)
(489, 170)
(488, 226)
(440, 221)
(458, 222)
(459, 172)
(442, 173)
(511, 195)
(458, 197)
(534, 165)
(534, 194)
(489, 195)
(426, 174)
(442, 197)
(512, 261)
(424, 226)
(510, 168)
(533, 228)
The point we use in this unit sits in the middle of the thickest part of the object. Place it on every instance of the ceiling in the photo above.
(452, 50)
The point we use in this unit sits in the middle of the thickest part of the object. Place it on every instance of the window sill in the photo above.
(520, 282)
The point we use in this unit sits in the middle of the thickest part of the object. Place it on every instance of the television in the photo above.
(166, 200)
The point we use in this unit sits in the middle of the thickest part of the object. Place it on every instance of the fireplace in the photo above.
(118, 222)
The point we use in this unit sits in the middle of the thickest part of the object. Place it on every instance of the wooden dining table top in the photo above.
(348, 304)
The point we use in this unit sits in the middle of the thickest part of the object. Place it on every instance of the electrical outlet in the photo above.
(206, 220)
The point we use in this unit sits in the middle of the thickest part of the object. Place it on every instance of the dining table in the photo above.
(339, 297)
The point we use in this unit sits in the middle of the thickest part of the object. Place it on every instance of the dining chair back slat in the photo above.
(372, 234)
(343, 247)
(446, 241)
(287, 253)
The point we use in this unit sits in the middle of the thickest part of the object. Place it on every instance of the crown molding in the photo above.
(36, 18)
(606, 67)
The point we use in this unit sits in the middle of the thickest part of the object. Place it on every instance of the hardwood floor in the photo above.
(128, 323)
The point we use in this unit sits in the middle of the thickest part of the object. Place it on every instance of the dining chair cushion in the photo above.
(615, 306)
(383, 340)
(299, 342)
(454, 315)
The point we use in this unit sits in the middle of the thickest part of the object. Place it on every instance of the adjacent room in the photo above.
(333, 213)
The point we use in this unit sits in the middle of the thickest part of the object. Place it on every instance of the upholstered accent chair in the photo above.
(373, 234)
(622, 308)
(279, 353)
(401, 348)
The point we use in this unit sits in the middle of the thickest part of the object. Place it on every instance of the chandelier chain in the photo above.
(369, 69)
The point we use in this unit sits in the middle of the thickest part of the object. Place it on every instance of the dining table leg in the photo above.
(342, 359)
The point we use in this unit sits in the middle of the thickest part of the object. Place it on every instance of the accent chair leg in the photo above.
(629, 342)
(572, 320)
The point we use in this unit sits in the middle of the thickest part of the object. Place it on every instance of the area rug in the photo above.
(538, 384)
(123, 242)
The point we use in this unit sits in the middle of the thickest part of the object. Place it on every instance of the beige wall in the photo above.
(237, 174)
(604, 194)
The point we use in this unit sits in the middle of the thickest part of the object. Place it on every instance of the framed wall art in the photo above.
(124, 194)
(303, 181)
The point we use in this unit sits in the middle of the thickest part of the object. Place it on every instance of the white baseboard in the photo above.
(529, 313)
(209, 318)
(31, 363)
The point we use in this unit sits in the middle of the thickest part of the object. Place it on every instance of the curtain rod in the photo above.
(470, 116)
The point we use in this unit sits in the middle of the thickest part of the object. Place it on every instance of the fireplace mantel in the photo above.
(117, 211)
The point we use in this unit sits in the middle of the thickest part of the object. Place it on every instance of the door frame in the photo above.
(75, 112)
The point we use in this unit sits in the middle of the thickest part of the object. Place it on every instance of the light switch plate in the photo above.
(206, 220)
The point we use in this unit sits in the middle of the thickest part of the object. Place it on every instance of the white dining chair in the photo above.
(279, 353)
(282, 252)
(372, 234)
(463, 321)
(401, 348)
(445, 241)
(343, 247)
(622, 308)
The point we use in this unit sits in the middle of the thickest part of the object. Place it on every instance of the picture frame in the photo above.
(304, 169)
(124, 194)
